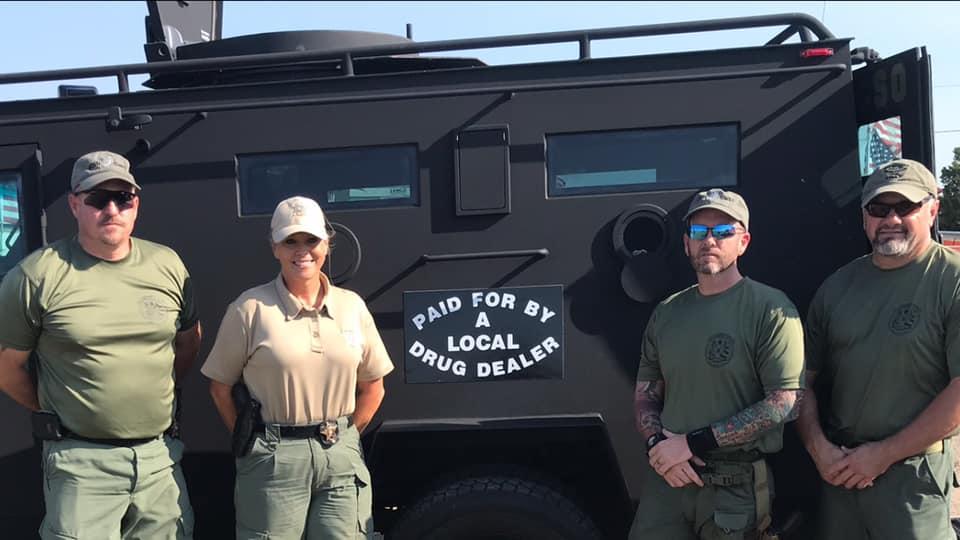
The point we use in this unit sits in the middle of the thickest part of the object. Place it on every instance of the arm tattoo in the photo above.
(647, 405)
(778, 407)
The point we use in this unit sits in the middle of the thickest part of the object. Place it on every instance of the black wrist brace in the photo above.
(701, 441)
(654, 440)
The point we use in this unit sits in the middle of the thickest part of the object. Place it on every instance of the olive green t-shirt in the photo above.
(886, 341)
(103, 332)
(720, 354)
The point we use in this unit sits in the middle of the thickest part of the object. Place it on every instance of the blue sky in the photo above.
(51, 35)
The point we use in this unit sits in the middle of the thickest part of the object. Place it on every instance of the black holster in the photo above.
(46, 426)
(248, 418)
(174, 430)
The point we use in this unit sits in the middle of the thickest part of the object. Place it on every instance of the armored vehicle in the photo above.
(511, 227)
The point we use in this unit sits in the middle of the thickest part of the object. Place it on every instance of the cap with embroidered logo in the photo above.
(95, 168)
(903, 176)
(297, 214)
(728, 202)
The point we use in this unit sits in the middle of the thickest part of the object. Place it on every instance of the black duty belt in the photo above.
(938, 447)
(109, 442)
(328, 431)
(735, 456)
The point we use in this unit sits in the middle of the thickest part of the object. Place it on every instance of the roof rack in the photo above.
(803, 25)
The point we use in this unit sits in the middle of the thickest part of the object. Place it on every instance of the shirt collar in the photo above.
(292, 306)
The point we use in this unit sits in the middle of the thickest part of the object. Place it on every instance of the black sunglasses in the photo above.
(902, 208)
(100, 198)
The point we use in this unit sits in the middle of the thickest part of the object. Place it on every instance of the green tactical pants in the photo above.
(910, 501)
(713, 512)
(94, 491)
(297, 488)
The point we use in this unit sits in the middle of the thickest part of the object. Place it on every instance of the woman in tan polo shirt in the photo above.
(310, 354)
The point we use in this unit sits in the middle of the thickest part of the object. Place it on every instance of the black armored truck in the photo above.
(511, 228)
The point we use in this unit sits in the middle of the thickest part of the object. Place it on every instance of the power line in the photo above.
(947, 131)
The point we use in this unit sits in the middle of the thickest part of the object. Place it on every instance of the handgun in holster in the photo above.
(248, 418)
(46, 425)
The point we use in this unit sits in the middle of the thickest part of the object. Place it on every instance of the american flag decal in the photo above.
(9, 208)
(9, 216)
(885, 144)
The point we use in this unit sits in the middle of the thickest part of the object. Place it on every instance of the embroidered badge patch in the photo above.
(719, 349)
(905, 318)
(894, 171)
(151, 309)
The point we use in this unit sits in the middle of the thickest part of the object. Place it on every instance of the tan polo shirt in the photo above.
(301, 363)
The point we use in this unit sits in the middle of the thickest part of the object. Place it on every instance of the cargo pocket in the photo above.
(930, 478)
(734, 512)
(730, 525)
(364, 499)
(47, 464)
(261, 453)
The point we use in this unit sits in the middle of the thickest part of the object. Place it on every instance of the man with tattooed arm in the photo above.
(883, 338)
(719, 376)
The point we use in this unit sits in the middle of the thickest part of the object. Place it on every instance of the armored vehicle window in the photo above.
(642, 160)
(880, 142)
(368, 177)
(12, 246)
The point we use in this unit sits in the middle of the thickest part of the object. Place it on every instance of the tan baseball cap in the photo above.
(728, 202)
(297, 214)
(904, 176)
(95, 168)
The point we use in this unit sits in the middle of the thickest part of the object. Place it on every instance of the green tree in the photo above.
(950, 202)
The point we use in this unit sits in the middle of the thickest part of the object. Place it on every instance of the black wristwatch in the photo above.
(654, 440)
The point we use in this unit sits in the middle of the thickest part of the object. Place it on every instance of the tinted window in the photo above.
(642, 160)
(342, 178)
(12, 245)
(880, 142)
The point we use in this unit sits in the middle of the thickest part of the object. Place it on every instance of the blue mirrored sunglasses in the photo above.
(700, 232)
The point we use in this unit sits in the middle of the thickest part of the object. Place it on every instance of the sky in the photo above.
(53, 35)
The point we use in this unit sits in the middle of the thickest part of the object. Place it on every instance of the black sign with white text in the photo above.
(472, 335)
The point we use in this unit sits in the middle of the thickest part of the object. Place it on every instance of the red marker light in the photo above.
(812, 53)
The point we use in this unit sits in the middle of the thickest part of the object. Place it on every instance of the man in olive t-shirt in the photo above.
(110, 318)
(719, 376)
(883, 337)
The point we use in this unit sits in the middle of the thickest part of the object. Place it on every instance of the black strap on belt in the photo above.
(109, 442)
(299, 432)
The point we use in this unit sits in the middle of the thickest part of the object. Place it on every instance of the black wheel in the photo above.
(494, 508)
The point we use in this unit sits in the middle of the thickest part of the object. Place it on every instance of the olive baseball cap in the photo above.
(904, 176)
(297, 214)
(728, 202)
(95, 168)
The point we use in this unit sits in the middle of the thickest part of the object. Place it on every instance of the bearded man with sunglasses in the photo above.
(719, 376)
(884, 331)
(113, 323)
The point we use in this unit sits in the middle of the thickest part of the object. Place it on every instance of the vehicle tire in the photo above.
(494, 508)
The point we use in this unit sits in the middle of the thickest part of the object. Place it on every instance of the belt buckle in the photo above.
(329, 432)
